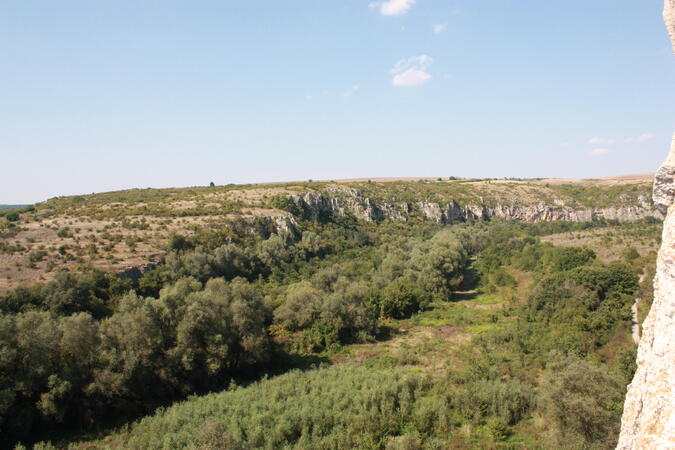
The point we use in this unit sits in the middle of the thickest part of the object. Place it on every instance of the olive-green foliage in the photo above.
(67, 294)
(277, 255)
(421, 271)
(401, 298)
(630, 254)
(337, 407)
(439, 263)
(301, 308)
(583, 305)
(285, 203)
(60, 366)
(509, 401)
(81, 350)
(583, 400)
(529, 254)
(340, 314)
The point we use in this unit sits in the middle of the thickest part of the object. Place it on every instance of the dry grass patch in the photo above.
(607, 243)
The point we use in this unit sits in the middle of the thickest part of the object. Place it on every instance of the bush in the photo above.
(401, 298)
(508, 401)
(630, 254)
(566, 258)
(341, 316)
(301, 308)
(582, 399)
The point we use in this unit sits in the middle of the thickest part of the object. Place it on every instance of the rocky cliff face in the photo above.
(649, 411)
(669, 19)
(664, 179)
(315, 206)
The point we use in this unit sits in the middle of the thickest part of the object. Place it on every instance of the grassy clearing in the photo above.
(610, 243)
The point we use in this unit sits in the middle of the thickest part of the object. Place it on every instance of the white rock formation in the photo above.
(648, 420)
(315, 206)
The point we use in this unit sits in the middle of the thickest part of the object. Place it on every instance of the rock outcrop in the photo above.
(136, 272)
(669, 19)
(316, 206)
(649, 411)
(648, 420)
(664, 180)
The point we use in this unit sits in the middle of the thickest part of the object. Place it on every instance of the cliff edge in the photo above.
(648, 420)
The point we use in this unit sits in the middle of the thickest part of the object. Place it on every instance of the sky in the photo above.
(103, 95)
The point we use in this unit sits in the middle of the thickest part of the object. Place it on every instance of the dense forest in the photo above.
(263, 323)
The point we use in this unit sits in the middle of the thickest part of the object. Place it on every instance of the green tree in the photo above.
(401, 298)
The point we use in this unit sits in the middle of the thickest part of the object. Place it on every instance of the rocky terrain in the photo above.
(316, 206)
(124, 231)
(649, 410)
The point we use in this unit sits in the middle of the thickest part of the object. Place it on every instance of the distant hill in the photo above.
(126, 230)
(3, 207)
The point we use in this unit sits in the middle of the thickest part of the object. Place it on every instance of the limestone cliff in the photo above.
(649, 411)
(315, 206)
(669, 19)
(648, 420)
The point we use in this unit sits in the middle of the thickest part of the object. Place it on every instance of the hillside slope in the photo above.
(129, 230)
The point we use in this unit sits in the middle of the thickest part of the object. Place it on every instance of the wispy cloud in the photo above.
(411, 71)
(351, 91)
(601, 141)
(598, 152)
(644, 137)
(439, 27)
(393, 7)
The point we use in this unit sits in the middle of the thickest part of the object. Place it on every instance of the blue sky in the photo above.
(106, 95)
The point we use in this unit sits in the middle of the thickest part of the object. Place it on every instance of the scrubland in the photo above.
(336, 333)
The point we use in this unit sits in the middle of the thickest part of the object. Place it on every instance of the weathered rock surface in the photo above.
(669, 19)
(664, 180)
(136, 272)
(315, 206)
(648, 420)
(649, 411)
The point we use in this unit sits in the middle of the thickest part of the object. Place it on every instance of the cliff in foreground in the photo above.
(649, 410)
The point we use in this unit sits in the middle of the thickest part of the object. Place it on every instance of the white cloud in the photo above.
(351, 91)
(411, 77)
(439, 27)
(393, 7)
(598, 152)
(411, 71)
(601, 141)
(565, 144)
(644, 137)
